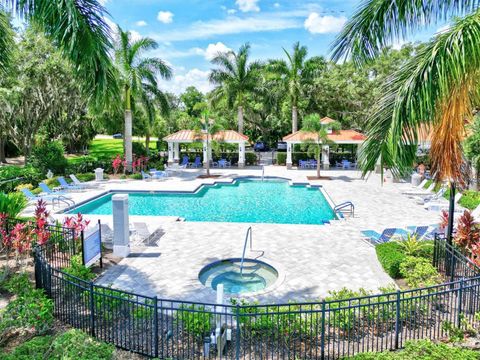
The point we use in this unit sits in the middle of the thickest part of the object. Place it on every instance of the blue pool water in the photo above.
(246, 200)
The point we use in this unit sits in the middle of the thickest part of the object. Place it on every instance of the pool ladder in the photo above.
(248, 235)
(263, 171)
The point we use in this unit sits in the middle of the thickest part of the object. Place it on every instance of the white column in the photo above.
(121, 232)
(170, 153)
(241, 155)
(205, 154)
(176, 152)
(289, 155)
(326, 156)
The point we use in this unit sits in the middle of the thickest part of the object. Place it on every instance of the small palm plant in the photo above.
(313, 146)
(206, 128)
(411, 246)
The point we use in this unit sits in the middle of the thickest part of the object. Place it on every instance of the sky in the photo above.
(191, 32)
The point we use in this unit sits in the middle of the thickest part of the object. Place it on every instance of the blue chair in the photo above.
(418, 231)
(66, 186)
(303, 164)
(185, 161)
(197, 163)
(387, 234)
(49, 191)
(32, 197)
(145, 176)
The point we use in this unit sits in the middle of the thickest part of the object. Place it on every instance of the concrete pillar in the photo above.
(241, 155)
(121, 232)
(176, 152)
(170, 153)
(326, 156)
(289, 155)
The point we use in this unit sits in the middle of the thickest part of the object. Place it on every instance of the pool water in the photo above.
(256, 276)
(246, 200)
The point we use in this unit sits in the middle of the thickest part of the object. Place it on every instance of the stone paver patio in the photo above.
(311, 259)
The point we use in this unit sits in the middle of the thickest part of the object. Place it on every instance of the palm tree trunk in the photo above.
(128, 140)
(240, 119)
(294, 119)
(3, 158)
(147, 142)
(318, 161)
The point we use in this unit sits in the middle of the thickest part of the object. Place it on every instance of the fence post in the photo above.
(155, 328)
(452, 265)
(322, 335)
(435, 249)
(36, 262)
(397, 321)
(48, 289)
(92, 310)
(237, 334)
(82, 239)
(460, 298)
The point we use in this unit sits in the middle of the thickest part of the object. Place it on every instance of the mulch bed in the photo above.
(319, 178)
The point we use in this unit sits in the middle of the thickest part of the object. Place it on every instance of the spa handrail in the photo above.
(249, 232)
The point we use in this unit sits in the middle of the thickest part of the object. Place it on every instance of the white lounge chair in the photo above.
(77, 182)
(421, 200)
(439, 204)
(420, 191)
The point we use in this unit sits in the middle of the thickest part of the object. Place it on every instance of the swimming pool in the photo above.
(245, 200)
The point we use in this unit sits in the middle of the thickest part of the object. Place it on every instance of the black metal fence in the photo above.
(172, 329)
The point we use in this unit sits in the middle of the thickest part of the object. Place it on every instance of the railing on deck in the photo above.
(311, 330)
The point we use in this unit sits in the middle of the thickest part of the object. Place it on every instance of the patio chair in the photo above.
(49, 191)
(312, 164)
(66, 186)
(418, 231)
(222, 163)
(345, 164)
(442, 204)
(423, 199)
(338, 165)
(197, 163)
(32, 197)
(303, 164)
(158, 174)
(185, 161)
(78, 183)
(420, 191)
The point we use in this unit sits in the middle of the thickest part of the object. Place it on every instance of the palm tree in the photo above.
(235, 77)
(77, 28)
(296, 72)
(312, 124)
(436, 89)
(137, 77)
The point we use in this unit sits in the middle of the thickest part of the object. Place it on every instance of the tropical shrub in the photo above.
(281, 158)
(419, 272)
(18, 175)
(424, 350)
(18, 284)
(250, 158)
(85, 177)
(79, 270)
(390, 255)
(468, 231)
(12, 204)
(139, 149)
(136, 176)
(49, 156)
(470, 199)
(195, 320)
(34, 349)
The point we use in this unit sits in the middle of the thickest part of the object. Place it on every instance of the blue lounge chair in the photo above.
(418, 231)
(32, 197)
(66, 186)
(303, 164)
(145, 176)
(59, 195)
(157, 174)
(387, 234)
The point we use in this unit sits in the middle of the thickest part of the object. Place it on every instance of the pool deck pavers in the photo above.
(311, 259)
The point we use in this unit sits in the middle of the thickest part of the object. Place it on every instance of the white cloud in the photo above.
(232, 25)
(141, 23)
(213, 50)
(103, 2)
(165, 17)
(276, 5)
(317, 24)
(231, 11)
(135, 35)
(112, 26)
(194, 77)
(247, 5)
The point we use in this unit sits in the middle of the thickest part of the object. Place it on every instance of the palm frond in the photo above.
(156, 66)
(6, 40)
(378, 23)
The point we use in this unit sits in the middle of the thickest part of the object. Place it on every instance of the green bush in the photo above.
(139, 149)
(18, 284)
(422, 350)
(87, 164)
(418, 272)
(85, 177)
(49, 156)
(30, 309)
(390, 256)
(281, 158)
(12, 204)
(470, 199)
(136, 176)
(18, 175)
(195, 320)
(79, 270)
(250, 158)
(71, 345)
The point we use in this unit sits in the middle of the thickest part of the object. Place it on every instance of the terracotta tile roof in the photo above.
(326, 120)
(192, 135)
(336, 136)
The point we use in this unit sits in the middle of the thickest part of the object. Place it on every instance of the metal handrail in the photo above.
(249, 231)
(344, 205)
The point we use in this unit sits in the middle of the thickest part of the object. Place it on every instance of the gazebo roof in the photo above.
(326, 120)
(337, 136)
(220, 136)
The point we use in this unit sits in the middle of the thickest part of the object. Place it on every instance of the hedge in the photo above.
(390, 255)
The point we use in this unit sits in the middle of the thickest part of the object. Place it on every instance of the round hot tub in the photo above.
(254, 276)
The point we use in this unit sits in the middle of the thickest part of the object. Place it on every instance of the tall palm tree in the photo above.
(77, 28)
(296, 72)
(137, 77)
(437, 89)
(235, 77)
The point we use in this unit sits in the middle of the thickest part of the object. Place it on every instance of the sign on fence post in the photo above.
(92, 247)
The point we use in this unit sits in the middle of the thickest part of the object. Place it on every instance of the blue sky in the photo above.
(190, 32)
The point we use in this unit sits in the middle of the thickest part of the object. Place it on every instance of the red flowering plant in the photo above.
(443, 220)
(78, 223)
(116, 163)
(22, 236)
(4, 234)
(467, 236)
(41, 222)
